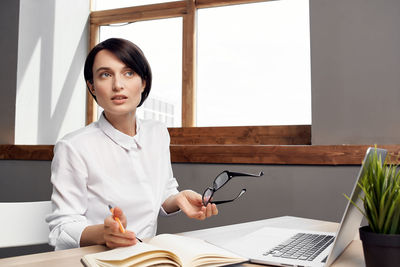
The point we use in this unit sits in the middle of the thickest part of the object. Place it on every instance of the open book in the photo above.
(165, 250)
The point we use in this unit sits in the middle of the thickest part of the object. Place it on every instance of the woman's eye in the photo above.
(105, 74)
(129, 73)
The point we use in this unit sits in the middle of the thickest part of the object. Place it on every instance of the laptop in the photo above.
(295, 247)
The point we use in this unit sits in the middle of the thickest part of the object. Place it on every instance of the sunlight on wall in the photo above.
(28, 78)
(51, 92)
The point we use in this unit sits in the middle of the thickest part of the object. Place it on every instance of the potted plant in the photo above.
(380, 185)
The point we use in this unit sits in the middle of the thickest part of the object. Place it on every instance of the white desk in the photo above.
(352, 256)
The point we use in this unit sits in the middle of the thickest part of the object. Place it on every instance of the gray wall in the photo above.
(355, 73)
(9, 21)
(24, 181)
(355, 70)
(306, 191)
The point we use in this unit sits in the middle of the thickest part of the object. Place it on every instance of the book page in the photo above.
(144, 262)
(138, 254)
(195, 252)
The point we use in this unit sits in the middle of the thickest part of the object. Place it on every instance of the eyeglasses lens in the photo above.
(220, 180)
(207, 196)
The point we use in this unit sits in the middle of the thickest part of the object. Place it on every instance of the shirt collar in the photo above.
(123, 140)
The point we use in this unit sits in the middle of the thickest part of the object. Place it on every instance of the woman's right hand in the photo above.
(113, 236)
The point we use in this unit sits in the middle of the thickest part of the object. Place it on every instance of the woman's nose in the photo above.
(118, 84)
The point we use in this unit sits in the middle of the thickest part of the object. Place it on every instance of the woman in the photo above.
(119, 160)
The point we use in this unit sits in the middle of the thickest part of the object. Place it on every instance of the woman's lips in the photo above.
(119, 99)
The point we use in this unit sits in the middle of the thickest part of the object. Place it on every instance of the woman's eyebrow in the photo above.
(108, 69)
(102, 68)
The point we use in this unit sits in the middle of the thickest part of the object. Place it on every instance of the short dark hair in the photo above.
(128, 53)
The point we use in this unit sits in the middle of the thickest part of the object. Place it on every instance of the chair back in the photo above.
(23, 223)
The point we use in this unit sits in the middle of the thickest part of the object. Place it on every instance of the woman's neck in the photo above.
(125, 123)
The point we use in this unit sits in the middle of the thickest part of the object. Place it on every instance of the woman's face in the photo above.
(117, 87)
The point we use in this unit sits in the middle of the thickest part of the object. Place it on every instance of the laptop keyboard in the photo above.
(302, 246)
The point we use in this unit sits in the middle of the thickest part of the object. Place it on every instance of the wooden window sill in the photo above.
(273, 154)
(238, 154)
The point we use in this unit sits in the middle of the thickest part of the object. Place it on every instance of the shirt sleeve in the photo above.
(69, 197)
(172, 185)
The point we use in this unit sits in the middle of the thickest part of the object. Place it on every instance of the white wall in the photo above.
(52, 47)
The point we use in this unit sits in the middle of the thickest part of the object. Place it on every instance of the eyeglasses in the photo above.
(220, 181)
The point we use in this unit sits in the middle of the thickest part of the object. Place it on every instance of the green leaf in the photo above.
(380, 185)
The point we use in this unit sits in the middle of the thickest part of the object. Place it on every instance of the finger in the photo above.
(117, 212)
(201, 215)
(111, 244)
(198, 199)
(110, 224)
(196, 214)
(192, 206)
(112, 227)
(208, 210)
(117, 237)
(193, 197)
(214, 209)
(127, 234)
(121, 215)
(206, 200)
(115, 230)
(119, 242)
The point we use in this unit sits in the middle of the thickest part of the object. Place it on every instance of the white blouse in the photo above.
(97, 166)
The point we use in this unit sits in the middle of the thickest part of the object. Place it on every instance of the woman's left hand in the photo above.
(191, 204)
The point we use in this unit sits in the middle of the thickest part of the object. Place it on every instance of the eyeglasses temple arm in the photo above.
(229, 200)
(221, 201)
(233, 174)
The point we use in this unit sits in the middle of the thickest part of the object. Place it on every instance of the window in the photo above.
(254, 64)
(161, 42)
(250, 71)
(210, 51)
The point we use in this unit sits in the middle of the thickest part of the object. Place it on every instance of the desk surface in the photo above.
(352, 256)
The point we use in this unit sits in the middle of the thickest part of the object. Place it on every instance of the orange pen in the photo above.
(121, 227)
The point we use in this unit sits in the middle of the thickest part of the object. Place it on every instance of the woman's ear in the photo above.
(143, 85)
(91, 87)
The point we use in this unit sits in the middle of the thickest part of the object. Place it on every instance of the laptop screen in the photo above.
(352, 217)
